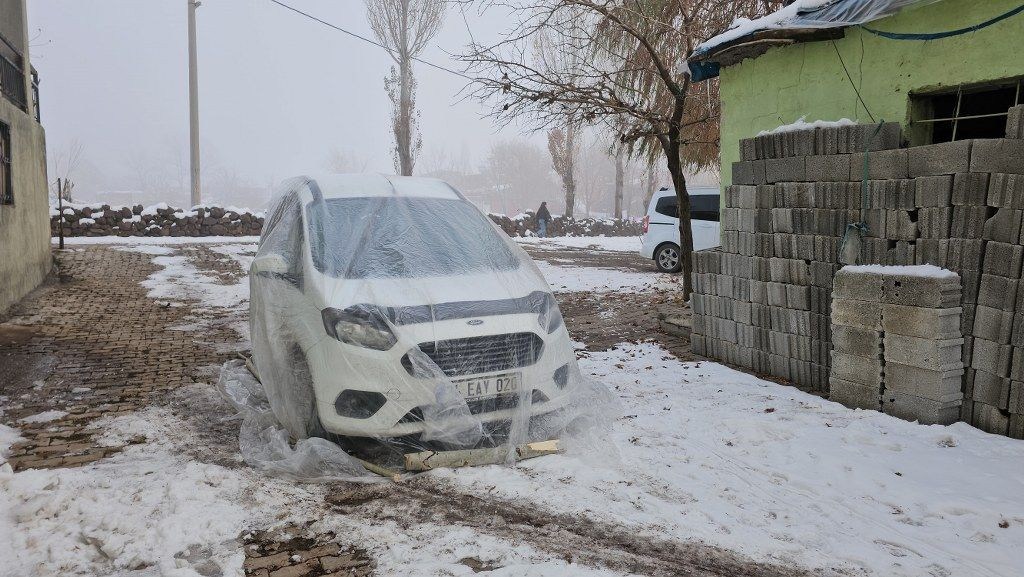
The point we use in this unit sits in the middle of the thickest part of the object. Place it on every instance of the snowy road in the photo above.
(706, 471)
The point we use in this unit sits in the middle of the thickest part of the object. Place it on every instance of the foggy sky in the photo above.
(278, 92)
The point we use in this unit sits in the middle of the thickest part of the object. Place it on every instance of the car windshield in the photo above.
(391, 237)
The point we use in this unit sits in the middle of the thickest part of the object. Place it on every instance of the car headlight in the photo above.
(550, 317)
(360, 325)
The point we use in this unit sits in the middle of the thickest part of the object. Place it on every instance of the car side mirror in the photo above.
(271, 265)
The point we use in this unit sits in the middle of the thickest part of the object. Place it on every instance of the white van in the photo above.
(661, 226)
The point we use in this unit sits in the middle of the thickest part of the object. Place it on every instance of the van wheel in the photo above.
(667, 258)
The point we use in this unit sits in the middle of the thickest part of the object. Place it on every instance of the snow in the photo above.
(576, 278)
(8, 437)
(802, 124)
(152, 210)
(919, 270)
(153, 249)
(607, 243)
(800, 14)
(85, 221)
(699, 453)
(44, 417)
(179, 280)
(707, 453)
(138, 511)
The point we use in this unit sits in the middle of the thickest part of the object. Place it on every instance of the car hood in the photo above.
(398, 293)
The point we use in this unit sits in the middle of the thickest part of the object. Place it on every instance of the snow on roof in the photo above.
(809, 14)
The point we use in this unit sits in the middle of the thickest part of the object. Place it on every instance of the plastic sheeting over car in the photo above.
(389, 315)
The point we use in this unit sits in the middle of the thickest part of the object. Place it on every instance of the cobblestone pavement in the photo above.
(91, 344)
(86, 346)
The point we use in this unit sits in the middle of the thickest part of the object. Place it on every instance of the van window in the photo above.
(702, 207)
(667, 206)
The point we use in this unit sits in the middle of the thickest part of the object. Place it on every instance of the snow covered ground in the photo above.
(592, 279)
(708, 453)
(609, 243)
(142, 511)
(699, 453)
(705, 235)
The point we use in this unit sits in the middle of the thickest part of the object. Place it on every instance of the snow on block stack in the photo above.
(897, 341)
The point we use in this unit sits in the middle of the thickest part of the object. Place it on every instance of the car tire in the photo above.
(306, 396)
(667, 258)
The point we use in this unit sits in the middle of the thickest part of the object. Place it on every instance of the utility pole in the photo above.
(193, 101)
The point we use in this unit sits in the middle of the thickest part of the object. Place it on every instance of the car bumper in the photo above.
(336, 367)
(647, 247)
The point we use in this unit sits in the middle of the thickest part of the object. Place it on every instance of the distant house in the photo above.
(945, 70)
(24, 206)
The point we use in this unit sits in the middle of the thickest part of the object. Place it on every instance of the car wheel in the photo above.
(667, 258)
(305, 400)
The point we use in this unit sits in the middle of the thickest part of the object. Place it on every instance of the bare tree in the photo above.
(630, 77)
(652, 184)
(620, 175)
(564, 149)
(65, 162)
(517, 176)
(345, 161)
(404, 27)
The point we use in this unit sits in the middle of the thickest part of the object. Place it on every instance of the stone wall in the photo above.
(162, 220)
(561, 226)
(159, 220)
(764, 299)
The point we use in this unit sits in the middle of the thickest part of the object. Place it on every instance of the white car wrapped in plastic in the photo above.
(391, 308)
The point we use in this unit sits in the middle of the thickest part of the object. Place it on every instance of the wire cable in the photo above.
(368, 40)
(850, 78)
(937, 35)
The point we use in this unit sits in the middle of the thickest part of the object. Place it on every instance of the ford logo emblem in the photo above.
(475, 322)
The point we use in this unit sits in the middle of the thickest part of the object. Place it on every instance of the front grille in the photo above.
(475, 355)
(491, 404)
(484, 405)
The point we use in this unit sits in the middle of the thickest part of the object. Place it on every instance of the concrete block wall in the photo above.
(764, 299)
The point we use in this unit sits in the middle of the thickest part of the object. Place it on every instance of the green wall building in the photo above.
(927, 61)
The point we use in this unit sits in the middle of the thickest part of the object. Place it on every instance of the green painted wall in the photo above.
(808, 79)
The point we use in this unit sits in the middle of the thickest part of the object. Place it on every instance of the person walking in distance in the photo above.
(543, 218)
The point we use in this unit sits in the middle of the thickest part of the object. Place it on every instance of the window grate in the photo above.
(6, 182)
(973, 111)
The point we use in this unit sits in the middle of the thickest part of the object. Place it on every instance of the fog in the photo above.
(280, 95)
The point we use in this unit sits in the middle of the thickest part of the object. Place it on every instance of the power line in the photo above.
(368, 40)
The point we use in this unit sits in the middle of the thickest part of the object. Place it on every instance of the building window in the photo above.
(970, 111)
(6, 183)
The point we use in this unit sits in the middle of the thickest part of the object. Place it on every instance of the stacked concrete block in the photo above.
(897, 343)
(856, 374)
(790, 205)
(959, 206)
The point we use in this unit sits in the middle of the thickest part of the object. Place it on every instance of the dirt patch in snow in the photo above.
(575, 539)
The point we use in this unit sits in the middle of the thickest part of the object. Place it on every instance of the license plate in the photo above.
(489, 386)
